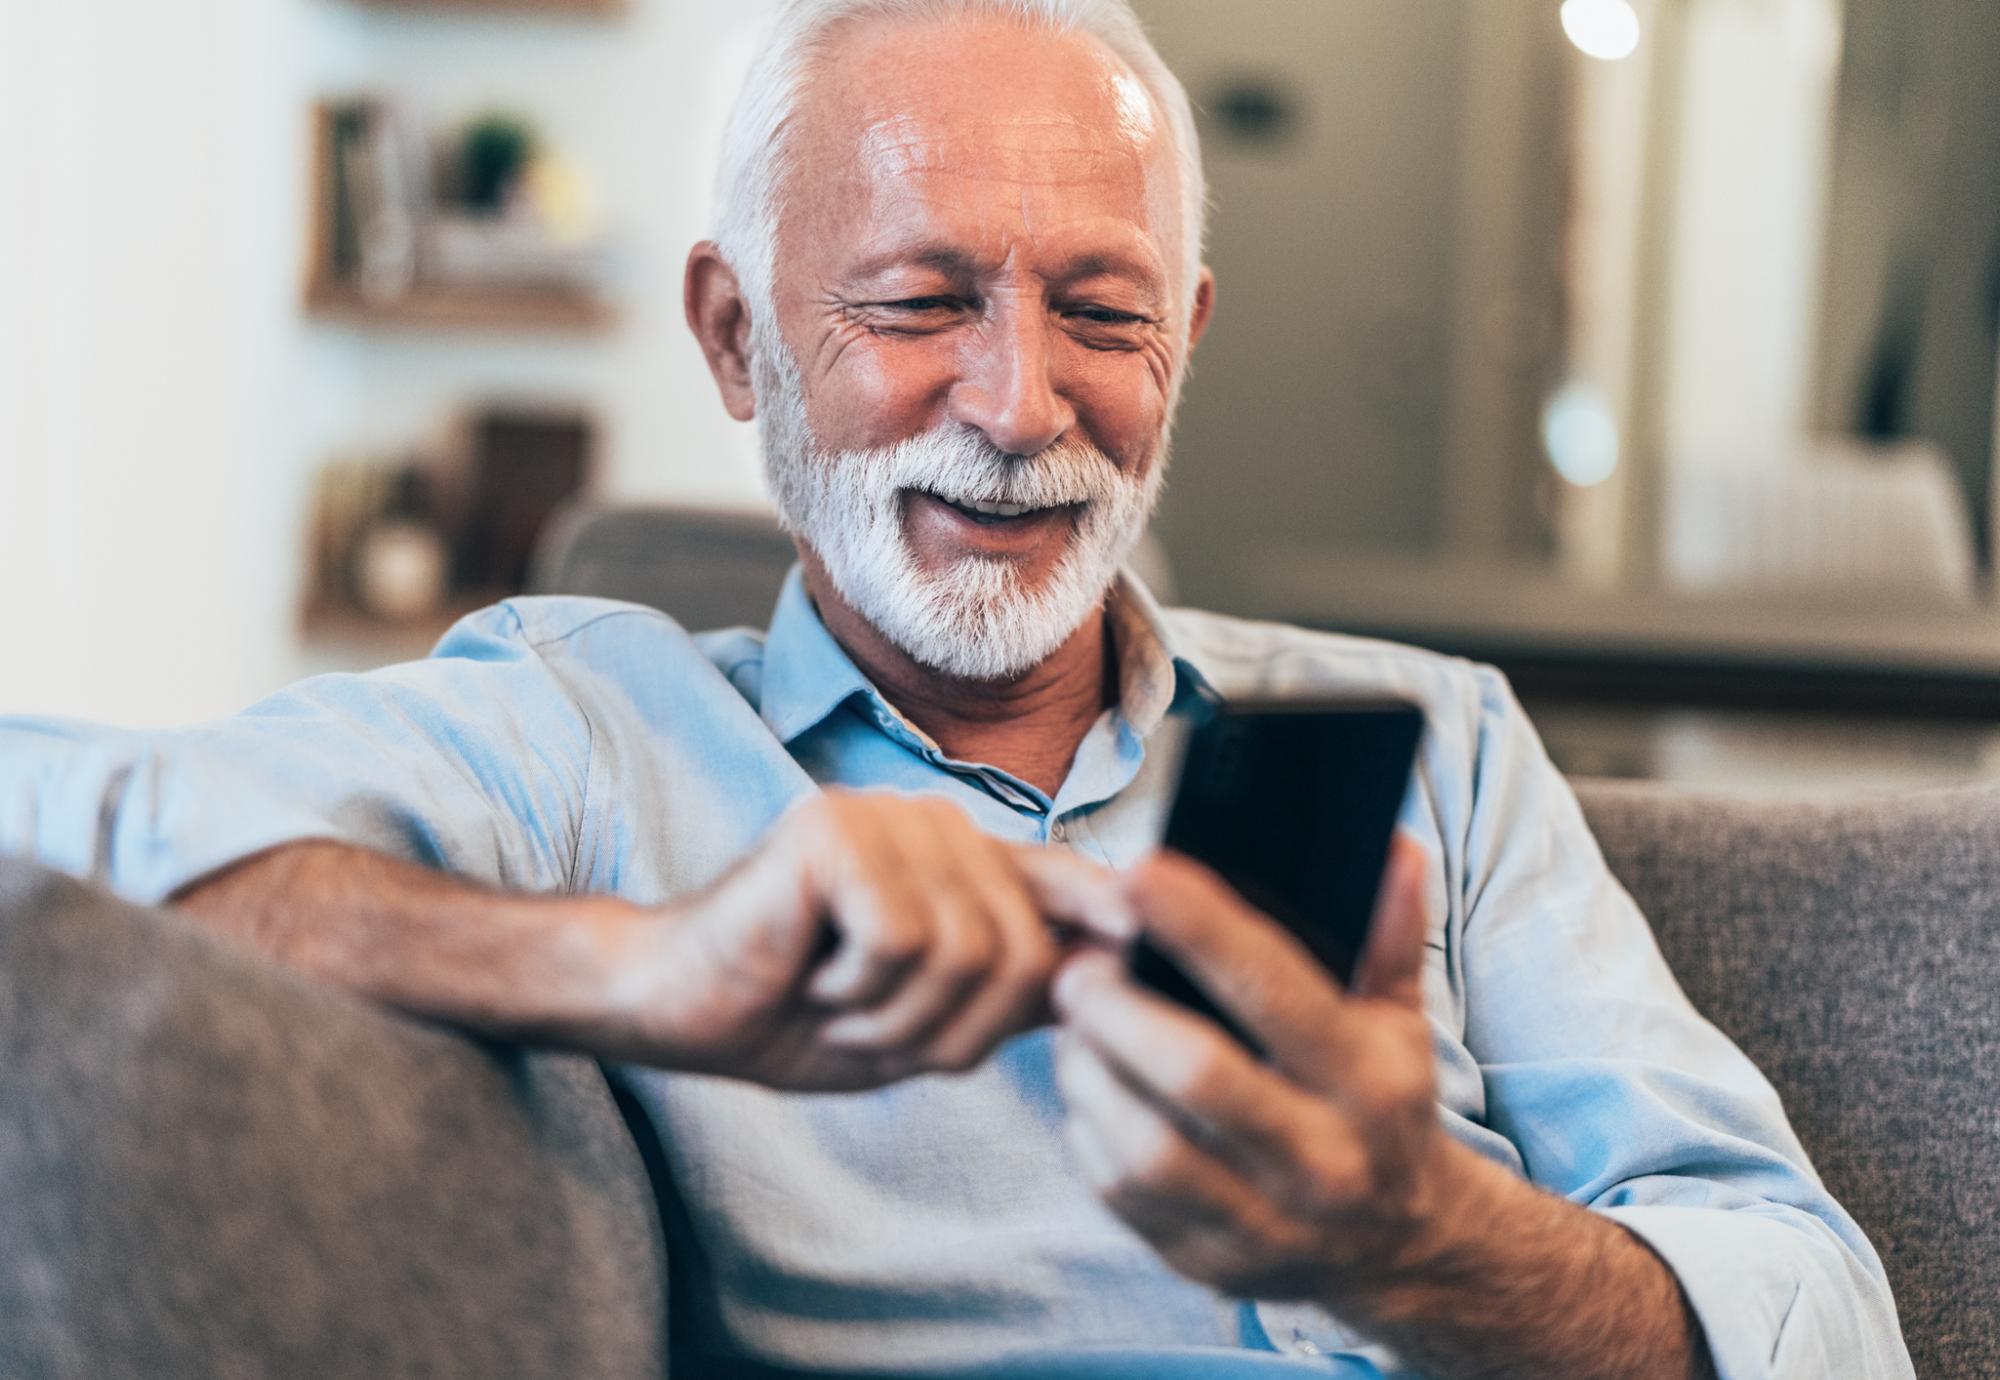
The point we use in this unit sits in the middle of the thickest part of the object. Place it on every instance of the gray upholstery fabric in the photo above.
(209, 1168)
(1854, 951)
(708, 569)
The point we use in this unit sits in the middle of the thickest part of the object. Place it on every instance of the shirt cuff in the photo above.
(1756, 1283)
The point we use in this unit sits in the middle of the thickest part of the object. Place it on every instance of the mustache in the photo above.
(961, 465)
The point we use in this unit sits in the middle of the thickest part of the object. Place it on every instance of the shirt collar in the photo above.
(1154, 678)
(807, 675)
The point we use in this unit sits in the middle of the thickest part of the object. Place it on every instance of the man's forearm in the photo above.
(1517, 1284)
(523, 967)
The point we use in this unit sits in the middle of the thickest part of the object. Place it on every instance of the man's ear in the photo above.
(1204, 306)
(719, 316)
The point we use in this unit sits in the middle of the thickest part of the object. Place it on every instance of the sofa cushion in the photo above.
(212, 1168)
(1853, 950)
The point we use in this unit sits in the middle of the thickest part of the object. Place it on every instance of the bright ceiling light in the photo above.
(1606, 29)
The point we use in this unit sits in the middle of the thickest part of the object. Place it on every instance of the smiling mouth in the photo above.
(996, 514)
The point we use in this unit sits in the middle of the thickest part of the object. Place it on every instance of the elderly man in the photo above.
(799, 886)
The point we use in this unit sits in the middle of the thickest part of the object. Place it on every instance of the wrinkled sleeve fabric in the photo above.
(1621, 1097)
(475, 761)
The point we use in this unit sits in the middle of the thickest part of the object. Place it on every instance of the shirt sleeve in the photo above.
(1621, 1097)
(474, 762)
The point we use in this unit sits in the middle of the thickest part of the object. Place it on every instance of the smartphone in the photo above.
(1294, 803)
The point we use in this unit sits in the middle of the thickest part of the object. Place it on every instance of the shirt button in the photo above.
(1058, 831)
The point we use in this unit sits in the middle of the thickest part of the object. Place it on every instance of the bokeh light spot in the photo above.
(1605, 29)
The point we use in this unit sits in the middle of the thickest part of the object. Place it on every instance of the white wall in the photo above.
(150, 361)
(162, 402)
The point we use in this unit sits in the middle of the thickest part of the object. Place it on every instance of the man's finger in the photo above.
(1244, 960)
(1012, 993)
(1392, 965)
(1072, 889)
(1143, 1166)
(1244, 1111)
(960, 938)
(879, 915)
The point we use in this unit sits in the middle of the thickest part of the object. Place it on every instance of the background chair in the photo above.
(708, 568)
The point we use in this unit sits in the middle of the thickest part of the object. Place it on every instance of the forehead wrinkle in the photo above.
(937, 255)
(921, 223)
(928, 187)
(903, 145)
(1100, 264)
(1011, 176)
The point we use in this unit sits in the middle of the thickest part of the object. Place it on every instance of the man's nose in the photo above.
(1009, 387)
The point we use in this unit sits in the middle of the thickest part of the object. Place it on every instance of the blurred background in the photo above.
(1649, 348)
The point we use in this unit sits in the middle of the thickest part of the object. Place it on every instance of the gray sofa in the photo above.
(211, 1168)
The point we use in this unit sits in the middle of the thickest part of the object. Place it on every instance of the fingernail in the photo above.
(1073, 983)
(1119, 921)
(846, 1032)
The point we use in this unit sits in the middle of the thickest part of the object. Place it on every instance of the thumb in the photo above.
(1392, 964)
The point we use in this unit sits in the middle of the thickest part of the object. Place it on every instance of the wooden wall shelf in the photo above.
(467, 309)
(585, 8)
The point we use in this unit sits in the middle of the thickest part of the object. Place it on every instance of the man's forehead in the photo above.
(927, 112)
(944, 73)
(1033, 147)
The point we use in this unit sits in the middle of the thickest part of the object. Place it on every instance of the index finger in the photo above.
(1072, 889)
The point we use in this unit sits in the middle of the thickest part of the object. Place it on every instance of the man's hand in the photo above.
(1289, 1180)
(868, 938)
(1324, 1176)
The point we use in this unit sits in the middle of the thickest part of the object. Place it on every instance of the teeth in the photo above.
(1006, 510)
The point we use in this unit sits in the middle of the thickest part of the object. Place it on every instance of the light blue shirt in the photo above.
(579, 745)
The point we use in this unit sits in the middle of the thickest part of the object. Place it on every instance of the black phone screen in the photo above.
(1294, 804)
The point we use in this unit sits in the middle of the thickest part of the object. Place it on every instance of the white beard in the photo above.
(978, 619)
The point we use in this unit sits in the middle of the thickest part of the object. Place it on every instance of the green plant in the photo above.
(493, 152)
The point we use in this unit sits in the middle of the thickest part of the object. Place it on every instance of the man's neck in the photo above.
(1030, 726)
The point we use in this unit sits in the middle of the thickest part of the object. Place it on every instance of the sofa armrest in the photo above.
(210, 1166)
(1851, 946)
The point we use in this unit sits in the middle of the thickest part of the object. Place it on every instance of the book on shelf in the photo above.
(381, 196)
(385, 232)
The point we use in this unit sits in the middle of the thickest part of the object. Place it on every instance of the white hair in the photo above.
(755, 163)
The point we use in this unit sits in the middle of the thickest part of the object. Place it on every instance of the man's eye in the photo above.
(924, 304)
(1107, 316)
